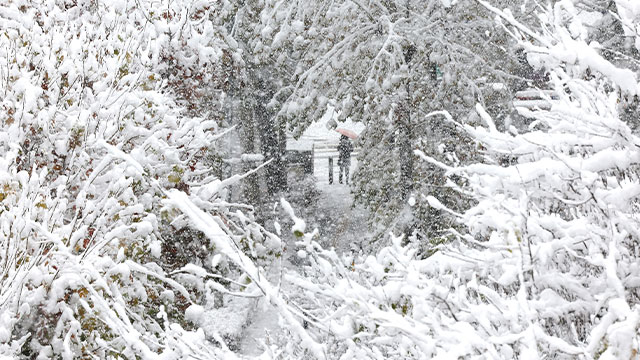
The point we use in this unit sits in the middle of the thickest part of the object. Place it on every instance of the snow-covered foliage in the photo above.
(117, 237)
(547, 265)
(92, 136)
(554, 238)
(384, 306)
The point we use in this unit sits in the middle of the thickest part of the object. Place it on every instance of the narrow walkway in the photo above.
(342, 227)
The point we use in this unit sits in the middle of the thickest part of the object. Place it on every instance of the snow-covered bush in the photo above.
(383, 306)
(552, 246)
(91, 140)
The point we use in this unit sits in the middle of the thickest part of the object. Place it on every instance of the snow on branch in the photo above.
(205, 223)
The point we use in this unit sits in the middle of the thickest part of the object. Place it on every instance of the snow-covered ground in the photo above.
(341, 224)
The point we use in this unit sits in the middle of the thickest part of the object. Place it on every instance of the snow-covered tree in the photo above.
(552, 246)
(97, 129)
(612, 25)
(555, 232)
(249, 89)
(387, 64)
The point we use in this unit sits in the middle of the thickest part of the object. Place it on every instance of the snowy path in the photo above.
(341, 226)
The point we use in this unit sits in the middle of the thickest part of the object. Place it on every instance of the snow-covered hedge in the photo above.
(91, 138)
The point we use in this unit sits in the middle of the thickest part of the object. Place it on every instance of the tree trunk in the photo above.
(251, 188)
(271, 149)
(272, 142)
(403, 118)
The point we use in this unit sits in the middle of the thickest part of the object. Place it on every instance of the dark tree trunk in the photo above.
(270, 146)
(272, 138)
(403, 115)
(251, 188)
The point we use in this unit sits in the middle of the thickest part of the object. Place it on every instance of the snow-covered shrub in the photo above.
(91, 140)
(197, 58)
(303, 192)
(383, 306)
(552, 246)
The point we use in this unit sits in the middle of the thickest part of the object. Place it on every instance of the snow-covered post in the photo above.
(330, 170)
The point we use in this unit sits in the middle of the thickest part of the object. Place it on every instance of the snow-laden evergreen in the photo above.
(388, 64)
